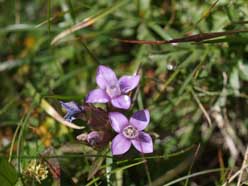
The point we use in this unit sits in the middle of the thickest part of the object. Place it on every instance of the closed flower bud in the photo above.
(97, 118)
(98, 138)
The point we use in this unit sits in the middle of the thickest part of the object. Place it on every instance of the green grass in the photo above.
(196, 92)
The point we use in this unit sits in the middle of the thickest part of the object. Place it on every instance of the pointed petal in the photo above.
(140, 119)
(71, 106)
(73, 110)
(128, 83)
(122, 102)
(143, 143)
(105, 77)
(97, 96)
(69, 117)
(118, 121)
(120, 145)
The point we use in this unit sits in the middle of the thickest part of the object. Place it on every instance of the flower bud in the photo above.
(98, 138)
(97, 118)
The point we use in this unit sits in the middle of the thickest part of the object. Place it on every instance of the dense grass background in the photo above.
(196, 91)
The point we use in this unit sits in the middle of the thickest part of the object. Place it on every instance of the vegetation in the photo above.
(194, 81)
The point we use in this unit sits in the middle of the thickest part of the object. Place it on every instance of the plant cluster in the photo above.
(114, 93)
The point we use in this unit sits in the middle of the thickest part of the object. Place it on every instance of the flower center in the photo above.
(130, 132)
(113, 90)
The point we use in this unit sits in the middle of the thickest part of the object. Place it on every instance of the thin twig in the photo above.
(233, 177)
(191, 166)
(202, 108)
(243, 167)
(206, 13)
(191, 38)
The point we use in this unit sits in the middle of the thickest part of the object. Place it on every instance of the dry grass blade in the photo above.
(95, 168)
(218, 113)
(52, 112)
(243, 167)
(207, 12)
(192, 38)
(96, 165)
(234, 176)
(202, 108)
(193, 161)
(58, 15)
(87, 22)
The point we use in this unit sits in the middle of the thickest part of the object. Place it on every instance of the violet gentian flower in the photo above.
(73, 110)
(130, 132)
(111, 89)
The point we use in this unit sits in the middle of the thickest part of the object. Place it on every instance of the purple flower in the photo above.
(130, 132)
(73, 110)
(111, 89)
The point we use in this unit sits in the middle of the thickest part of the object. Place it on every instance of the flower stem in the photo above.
(147, 170)
(109, 162)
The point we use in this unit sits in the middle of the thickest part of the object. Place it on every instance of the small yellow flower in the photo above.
(36, 170)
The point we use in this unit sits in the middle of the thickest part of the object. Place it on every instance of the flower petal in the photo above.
(105, 77)
(128, 83)
(143, 143)
(120, 145)
(69, 117)
(71, 106)
(122, 102)
(73, 110)
(140, 119)
(97, 96)
(118, 121)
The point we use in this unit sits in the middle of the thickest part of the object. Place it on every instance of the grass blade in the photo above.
(193, 175)
(88, 21)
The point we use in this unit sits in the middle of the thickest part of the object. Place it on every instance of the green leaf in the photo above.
(95, 167)
(243, 70)
(8, 174)
(234, 80)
